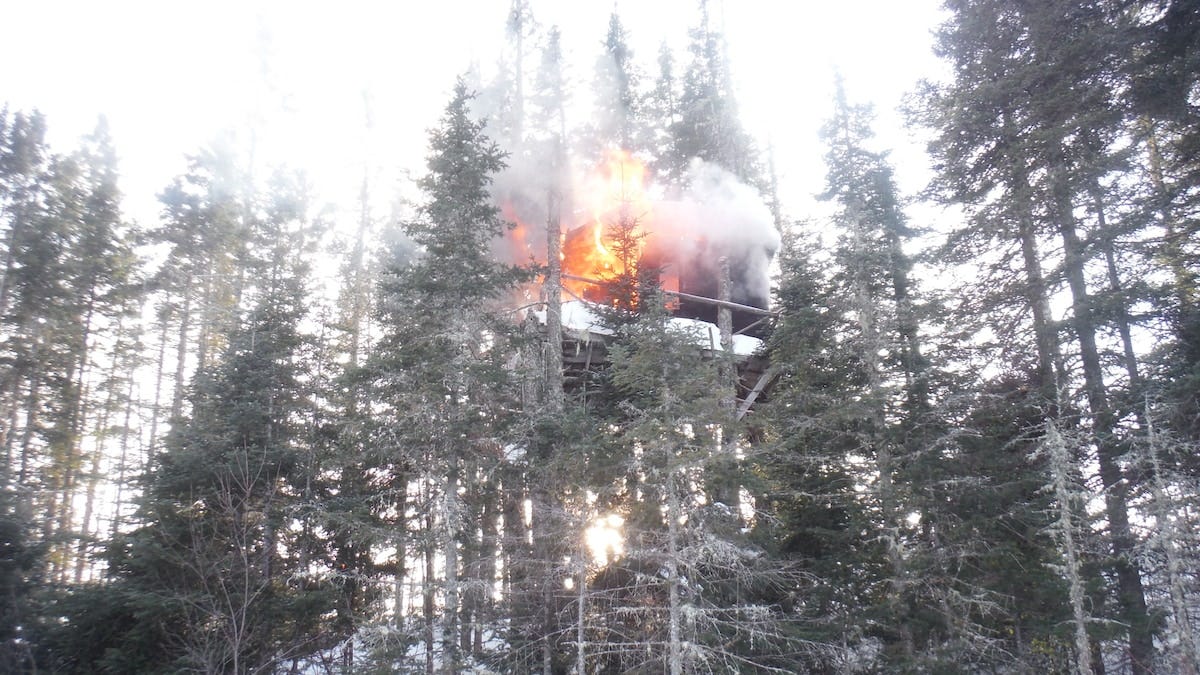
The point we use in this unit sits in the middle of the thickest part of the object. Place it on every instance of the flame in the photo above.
(622, 180)
(516, 246)
(617, 192)
(615, 201)
(598, 238)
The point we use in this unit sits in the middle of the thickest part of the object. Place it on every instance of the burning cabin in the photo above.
(714, 223)
(712, 247)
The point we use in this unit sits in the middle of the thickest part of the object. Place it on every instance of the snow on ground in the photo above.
(580, 315)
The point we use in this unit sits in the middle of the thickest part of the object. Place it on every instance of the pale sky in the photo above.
(172, 76)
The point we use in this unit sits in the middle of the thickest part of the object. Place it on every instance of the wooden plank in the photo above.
(762, 383)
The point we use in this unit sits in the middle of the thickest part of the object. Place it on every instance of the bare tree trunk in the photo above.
(1169, 536)
(207, 316)
(1045, 338)
(400, 615)
(726, 488)
(581, 607)
(1061, 471)
(553, 291)
(123, 462)
(545, 505)
(450, 521)
(14, 233)
(32, 404)
(1129, 357)
(675, 613)
(427, 588)
(156, 409)
(470, 563)
(489, 545)
(1051, 372)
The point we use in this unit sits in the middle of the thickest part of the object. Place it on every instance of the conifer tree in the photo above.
(1039, 153)
(213, 577)
(1160, 57)
(200, 281)
(616, 88)
(705, 593)
(439, 368)
(708, 126)
(662, 105)
(105, 288)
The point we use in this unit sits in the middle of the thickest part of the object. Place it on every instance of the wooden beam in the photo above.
(762, 383)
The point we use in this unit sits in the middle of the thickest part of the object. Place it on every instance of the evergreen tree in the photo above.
(103, 285)
(20, 562)
(439, 371)
(662, 105)
(873, 274)
(1025, 133)
(1160, 60)
(708, 127)
(616, 88)
(201, 280)
(807, 479)
(214, 578)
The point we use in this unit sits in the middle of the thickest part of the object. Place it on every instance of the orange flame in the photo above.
(618, 199)
(615, 197)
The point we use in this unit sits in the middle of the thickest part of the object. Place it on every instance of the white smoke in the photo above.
(717, 216)
(714, 216)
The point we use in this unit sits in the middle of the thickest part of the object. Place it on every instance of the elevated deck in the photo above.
(586, 342)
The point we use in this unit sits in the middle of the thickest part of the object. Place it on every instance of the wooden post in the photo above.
(728, 372)
(553, 291)
(726, 488)
(724, 312)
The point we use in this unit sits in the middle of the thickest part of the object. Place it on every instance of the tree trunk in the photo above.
(159, 371)
(581, 606)
(1124, 323)
(400, 615)
(123, 462)
(1116, 488)
(674, 607)
(451, 513)
(1169, 536)
(427, 588)
(181, 350)
(553, 291)
(1045, 335)
(1061, 471)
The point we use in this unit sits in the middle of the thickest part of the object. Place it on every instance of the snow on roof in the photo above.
(581, 316)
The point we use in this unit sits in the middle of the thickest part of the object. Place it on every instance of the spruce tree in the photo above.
(1028, 133)
(616, 88)
(708, 126)
(440, 372)
(215, 576)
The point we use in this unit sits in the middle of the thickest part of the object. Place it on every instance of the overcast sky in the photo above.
(172, 76)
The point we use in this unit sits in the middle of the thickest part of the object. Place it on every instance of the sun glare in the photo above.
(605, 539)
